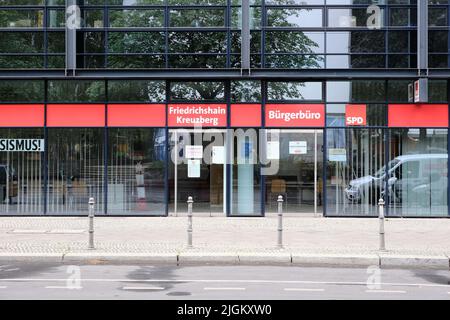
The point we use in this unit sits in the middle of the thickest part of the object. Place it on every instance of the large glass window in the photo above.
(246, 173)
(21, 171)
(136, 167)
(418, 172)
(355, 171)
(75, 169)
(298, 178)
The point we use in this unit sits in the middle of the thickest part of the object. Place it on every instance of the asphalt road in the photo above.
(97, 281)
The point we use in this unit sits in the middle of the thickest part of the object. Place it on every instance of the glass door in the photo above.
(197, 168)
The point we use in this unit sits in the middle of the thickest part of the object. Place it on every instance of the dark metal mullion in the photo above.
(228, 27)
(106, 33)
(263, 33)
(229, 140)
(105, 153)
(166, 33)
(45, 162)
(166, 152)
(263, 127)
(448, 148)
(387, 150)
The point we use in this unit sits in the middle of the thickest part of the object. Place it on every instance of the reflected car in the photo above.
(408, 173)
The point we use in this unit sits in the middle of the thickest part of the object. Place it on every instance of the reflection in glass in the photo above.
(136, 171)
(75, 169)
(355, 160)
(417, 179)
(21, 175)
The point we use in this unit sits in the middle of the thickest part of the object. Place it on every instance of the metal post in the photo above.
(91, 223)
(189, 229)
(280, 222)
(381, 218)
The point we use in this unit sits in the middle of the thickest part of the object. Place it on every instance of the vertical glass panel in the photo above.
(299, 175)
(75, 170)
(245, 173)
(355, 171)
(417, 176)
(200, 174)
(136, 163)
(21, 171)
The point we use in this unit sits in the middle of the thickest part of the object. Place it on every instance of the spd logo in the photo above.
(355, 115)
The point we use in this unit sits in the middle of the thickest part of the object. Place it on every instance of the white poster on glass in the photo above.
(273, 150)
(194, 152)
(193, 168)
(297, 147)
(218, 154)
(337, 155)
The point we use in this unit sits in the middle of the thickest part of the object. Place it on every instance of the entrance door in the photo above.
(298, 177)
(197, 168)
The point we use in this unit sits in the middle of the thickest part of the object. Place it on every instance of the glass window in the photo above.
(355, 171)
(75, 170)
(22, 91)
(21, 171)
(294, 91)
(246, 91)
(197, 18)
(76, 91)
(297, 18)
(354, 17)
(136, 18)
(21, 18)
(195, 91)
(136, 163)
(136, 91)
(294, 42)
(299, 170)
(417, 184)
(245, 173)
(136, 42)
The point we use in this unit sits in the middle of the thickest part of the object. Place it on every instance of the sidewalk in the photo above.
(307, 241)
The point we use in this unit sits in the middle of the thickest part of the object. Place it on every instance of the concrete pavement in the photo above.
(307, 241)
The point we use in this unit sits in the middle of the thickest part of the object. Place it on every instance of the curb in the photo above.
(283, 258)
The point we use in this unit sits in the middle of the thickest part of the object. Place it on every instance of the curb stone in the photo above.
(336, 260)
(401, 261)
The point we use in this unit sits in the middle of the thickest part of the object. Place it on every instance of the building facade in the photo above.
(142, 103)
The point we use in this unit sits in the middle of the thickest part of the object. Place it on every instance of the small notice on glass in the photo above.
(337, 155)
(273, 150)
(193, 168)
(297, 147)
(194, 152)
(218, 154)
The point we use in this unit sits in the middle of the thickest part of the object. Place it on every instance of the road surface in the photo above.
(98, 281)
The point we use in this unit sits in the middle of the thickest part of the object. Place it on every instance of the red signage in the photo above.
(76, 115)
(193, 115)
(418, 115)
(295, 115)
(245, 115)
(22, 115)
(355, 115)
(136, 115)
